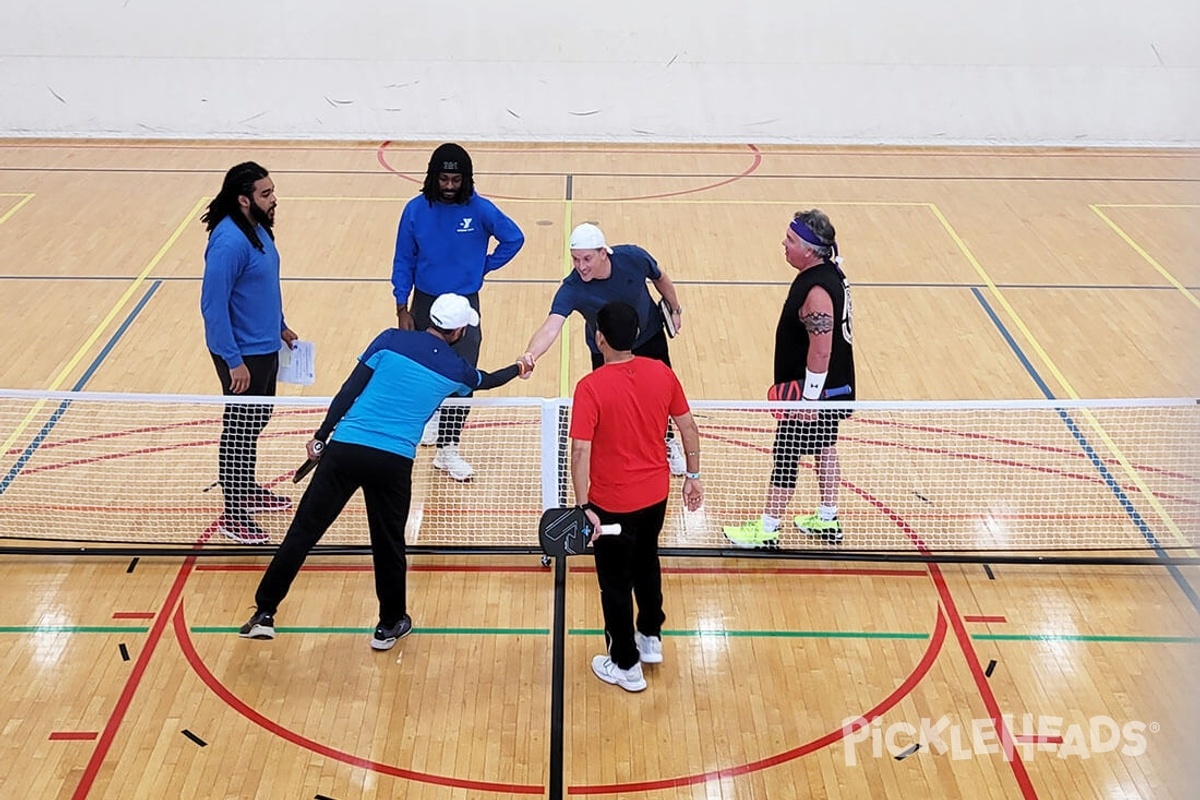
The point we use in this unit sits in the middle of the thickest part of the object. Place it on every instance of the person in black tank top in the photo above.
(814, 347)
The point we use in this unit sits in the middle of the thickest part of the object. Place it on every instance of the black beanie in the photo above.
(451, 157)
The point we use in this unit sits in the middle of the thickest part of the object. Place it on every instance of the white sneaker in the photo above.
(449, 460)
(631, 680)
(429, 435)
(676, 460)
(649, 647)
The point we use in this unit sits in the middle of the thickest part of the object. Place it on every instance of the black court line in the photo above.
(635, 175)
(124, 652)
(557, 678)
(682, 282)
(832, 553)
(194, 738)
(991, 667)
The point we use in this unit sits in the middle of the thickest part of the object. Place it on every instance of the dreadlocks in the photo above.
(450, 158)
(239, 182)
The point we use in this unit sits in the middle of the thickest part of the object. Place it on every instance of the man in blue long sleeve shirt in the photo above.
(242, 306)
(442, 247)
(372, 429)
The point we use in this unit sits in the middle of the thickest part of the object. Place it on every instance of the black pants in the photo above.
(453, 418)
(629, 563)
(241, 425)
(386, 481)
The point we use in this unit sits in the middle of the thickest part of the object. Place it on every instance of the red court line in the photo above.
(1031, 738)
(898, 694)
(72, 736)
(133, 615)
(234, 702)
(964, 642)
(369, 568)
(856, 572)
(132, 682)
(864, 572)
(1130, 489)
(960, 632)
(1075, 454)
(381, 157)
(982, 618)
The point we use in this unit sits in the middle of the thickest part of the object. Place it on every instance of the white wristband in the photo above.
(814, 384)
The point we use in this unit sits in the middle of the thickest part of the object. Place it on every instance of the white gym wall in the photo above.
(1088, 72)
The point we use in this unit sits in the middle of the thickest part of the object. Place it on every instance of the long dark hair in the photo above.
(451, 158)
(239, 182)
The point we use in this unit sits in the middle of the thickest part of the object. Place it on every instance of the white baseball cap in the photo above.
(588, 237)
(451, 311)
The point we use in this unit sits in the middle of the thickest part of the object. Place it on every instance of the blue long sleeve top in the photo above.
(443, 247)
(240, 298)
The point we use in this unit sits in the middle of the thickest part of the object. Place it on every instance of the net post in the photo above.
(552, 446)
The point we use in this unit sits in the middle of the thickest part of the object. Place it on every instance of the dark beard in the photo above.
(260, 217)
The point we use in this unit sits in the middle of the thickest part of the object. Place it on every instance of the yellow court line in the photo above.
(658, 200)
(1145, 205)
(402, 200)
(1148, 258)
(792, 203)
(25, 198)
(1125, 463)
(564, 352)
(65, 372)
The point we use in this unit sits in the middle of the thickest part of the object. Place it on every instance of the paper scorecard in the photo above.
(298, 363)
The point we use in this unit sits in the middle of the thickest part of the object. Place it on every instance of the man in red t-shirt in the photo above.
(620, 476)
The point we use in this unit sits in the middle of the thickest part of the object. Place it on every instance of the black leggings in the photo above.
(241, 425)
(453, 418)
(386, 481)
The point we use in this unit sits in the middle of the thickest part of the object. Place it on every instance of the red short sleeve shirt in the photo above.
(622, 409)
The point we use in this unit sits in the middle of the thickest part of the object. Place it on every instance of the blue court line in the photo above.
(23, 459)
(1109, 480)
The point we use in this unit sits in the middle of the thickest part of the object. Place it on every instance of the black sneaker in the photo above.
(384, 638)
(260, 626)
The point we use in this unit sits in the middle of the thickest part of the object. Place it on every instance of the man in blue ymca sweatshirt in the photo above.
(442, 247)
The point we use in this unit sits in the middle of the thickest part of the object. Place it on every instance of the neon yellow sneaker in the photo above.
(827, 530)
(750, 535)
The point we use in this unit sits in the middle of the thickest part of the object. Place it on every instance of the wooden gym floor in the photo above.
(978, 274)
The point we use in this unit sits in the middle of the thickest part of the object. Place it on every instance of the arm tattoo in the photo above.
(818, 323)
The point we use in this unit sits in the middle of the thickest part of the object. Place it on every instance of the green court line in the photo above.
(436, 631)
(28, 629)
(1070, 637)
(723, 634)
(701, 634)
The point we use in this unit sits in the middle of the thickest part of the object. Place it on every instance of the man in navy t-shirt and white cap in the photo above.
(604, 275)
